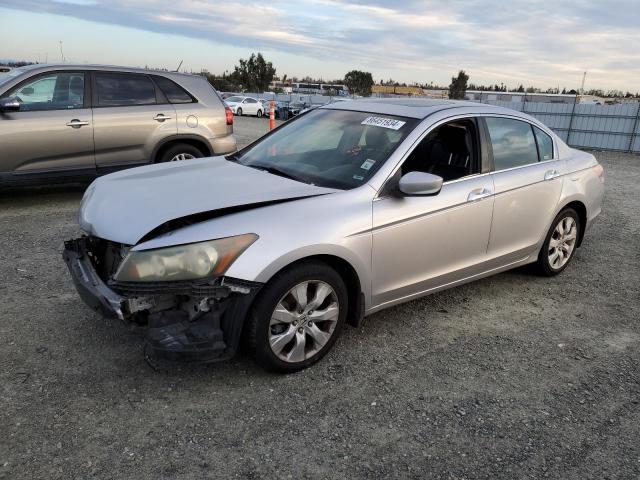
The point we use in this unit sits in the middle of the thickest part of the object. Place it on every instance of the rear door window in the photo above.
(513, 143)
(545, 144)
(174, 92)
(124, 89)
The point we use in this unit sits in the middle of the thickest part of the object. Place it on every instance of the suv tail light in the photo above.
(229, 113)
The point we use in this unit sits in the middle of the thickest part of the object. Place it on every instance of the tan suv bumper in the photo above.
(223, 145)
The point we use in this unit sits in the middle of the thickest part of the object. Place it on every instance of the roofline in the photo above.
(94, 66)
(428, 110)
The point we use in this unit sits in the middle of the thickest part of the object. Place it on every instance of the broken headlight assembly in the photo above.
(183, 262)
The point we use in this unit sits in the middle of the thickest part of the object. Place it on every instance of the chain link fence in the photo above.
(600, 127)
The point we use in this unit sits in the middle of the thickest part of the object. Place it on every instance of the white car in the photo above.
(245, 106)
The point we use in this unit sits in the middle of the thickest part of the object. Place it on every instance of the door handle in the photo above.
(551, 174)
(75, 123)
(161, 117)
(478, 194)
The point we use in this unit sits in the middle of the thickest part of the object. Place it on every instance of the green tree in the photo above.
(254, 74)
(224, 83)
(358, 82)
(458, 86)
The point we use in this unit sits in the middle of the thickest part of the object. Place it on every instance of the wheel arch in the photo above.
(194, 140)
(345, 268)
(581, 209)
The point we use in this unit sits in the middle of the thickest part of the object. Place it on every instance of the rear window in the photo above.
(174, 92)
(123, 89)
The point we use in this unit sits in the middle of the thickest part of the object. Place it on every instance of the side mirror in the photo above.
(9, 105)
(420, 183)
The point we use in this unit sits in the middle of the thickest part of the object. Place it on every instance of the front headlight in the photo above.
(183, 262)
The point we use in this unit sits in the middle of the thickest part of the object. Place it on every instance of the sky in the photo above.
(541, 43)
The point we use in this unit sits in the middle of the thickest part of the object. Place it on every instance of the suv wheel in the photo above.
(297, 317)
(560, 244)
(179, 152)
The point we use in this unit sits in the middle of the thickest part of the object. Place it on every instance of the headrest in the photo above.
(376, 137)
(76, 85)
(453, 138)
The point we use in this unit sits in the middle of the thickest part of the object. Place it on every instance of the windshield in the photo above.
(331, 148)
(234, 99)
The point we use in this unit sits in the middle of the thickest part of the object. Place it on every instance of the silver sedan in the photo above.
(346, 210)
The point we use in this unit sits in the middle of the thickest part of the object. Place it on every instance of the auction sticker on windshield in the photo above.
(383, 122)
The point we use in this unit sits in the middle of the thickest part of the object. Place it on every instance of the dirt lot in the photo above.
(510, 377)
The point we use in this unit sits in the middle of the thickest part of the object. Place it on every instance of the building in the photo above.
(488, 95)
(319, 88)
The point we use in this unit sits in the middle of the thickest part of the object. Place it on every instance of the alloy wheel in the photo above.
(182, 156)
(562, 242)
(303, 321)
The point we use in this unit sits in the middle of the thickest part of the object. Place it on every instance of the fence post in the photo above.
(573, 110)
(633, 130)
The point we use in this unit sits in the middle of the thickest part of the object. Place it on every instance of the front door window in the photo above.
(55, 91)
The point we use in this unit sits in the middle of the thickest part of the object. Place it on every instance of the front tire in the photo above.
(179, 152)
(560, 243)
(259, 114)
(239, 112)
(297, 317)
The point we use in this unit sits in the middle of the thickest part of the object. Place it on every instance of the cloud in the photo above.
(544, 43)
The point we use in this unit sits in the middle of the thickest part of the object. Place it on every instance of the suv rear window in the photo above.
(174, 92)
(124, 89)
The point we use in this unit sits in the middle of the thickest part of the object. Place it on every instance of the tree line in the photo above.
(255, 74)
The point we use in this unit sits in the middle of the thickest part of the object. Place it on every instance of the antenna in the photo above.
(584, 76)
(178, 69)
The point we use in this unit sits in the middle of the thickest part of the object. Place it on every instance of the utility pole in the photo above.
(584, 76)
(61, 54)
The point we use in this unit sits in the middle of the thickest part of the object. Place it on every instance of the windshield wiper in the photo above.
(275, 171)
(233, 157)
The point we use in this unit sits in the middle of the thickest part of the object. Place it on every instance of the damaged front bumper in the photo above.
(200, 321)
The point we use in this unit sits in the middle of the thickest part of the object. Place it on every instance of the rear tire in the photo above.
(180, 151)
(560, 243)
(287, 336)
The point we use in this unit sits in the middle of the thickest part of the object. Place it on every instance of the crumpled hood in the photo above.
(124, 206)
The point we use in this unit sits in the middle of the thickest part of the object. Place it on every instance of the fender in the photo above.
(315, 250)
(181, 136)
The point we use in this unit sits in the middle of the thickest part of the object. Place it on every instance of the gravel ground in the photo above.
(514, 376)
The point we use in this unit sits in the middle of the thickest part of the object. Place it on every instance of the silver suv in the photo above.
(74, 121)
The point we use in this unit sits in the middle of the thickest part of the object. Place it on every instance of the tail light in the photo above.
(229, 113)
(599, 170)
